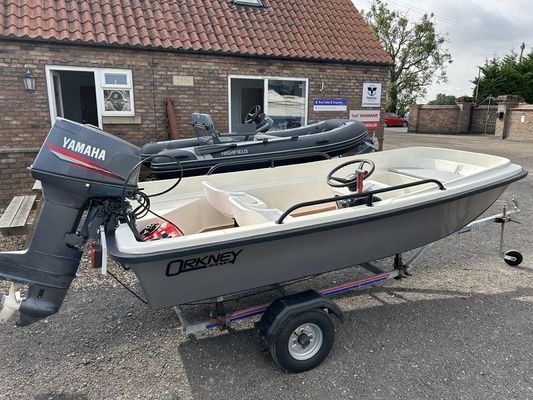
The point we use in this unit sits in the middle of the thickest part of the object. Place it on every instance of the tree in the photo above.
(507, 75)
(417, 51)
(443, 99)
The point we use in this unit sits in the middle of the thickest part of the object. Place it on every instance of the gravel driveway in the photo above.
(460, 328)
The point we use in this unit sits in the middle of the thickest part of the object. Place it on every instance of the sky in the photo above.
(477, 30)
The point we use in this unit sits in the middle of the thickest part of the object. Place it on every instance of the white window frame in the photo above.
(265, 80)
(249, 3)
(98, 76)
(127, 86)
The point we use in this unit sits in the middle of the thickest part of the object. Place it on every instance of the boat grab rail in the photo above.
(265, 159)
(369, 196)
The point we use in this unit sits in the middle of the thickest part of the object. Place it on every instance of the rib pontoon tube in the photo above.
(414, 196)
(197, 155)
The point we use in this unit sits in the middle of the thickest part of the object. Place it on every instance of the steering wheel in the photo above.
(253, 114)
(350, 180)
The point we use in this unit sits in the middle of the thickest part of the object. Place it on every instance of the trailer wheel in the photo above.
(513, 258)
(303, 341)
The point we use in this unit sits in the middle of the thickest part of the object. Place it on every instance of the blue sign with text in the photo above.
(330, 104)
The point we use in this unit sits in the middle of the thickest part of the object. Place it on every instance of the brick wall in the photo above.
(433, 119)
(461, 118)
(484, 116)
(14, 176)
(25, 117)
(521, 123)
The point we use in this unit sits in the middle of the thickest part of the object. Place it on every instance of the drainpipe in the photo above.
(171, 119)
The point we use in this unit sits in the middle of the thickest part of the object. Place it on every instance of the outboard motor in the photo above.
(81, 168)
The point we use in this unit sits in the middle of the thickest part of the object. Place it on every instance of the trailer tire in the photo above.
(311, 335)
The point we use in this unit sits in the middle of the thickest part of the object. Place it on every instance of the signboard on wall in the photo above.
(371, 94)
(369, 118)
(330, 105)
(181, 80)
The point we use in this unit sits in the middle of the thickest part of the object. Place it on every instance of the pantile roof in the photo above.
(304, 29)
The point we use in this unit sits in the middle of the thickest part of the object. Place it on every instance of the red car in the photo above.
(392, 119)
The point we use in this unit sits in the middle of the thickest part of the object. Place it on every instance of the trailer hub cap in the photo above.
(305, 341)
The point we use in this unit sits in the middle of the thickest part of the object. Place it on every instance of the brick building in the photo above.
(113, 63)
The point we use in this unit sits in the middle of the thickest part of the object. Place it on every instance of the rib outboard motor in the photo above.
(81, 168)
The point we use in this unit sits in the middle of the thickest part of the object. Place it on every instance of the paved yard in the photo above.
(460, 328)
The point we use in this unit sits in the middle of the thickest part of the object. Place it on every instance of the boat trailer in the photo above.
(297, 328)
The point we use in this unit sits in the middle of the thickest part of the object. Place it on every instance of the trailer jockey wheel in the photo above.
(513, 258)
(303, 341)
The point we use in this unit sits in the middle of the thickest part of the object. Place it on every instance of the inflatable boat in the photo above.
(258, 149)
(203, 237)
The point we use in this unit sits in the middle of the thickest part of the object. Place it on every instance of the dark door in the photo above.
(89, 110)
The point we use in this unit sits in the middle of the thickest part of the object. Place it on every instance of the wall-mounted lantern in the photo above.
(29, 81)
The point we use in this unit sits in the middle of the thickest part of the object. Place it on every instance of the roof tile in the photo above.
(309, 29)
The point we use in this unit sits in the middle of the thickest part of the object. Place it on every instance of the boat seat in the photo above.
(248, 214)
(219, 199)
(426, 173)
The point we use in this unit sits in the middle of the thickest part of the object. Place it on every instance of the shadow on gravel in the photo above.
(61, 396)
(444, 344)
(524, 269)
(478, 346)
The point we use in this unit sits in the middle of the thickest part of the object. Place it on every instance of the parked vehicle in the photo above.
(393, 120)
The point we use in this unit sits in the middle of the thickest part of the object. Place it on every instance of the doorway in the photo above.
(74, 96)
(285, 100)
(245, 95)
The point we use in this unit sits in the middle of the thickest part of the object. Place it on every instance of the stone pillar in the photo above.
(414, 114)
(466, 104)
(505, 103)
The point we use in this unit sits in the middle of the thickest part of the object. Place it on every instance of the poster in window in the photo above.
(117, 100)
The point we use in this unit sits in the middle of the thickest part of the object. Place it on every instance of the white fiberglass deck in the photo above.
(258, 197)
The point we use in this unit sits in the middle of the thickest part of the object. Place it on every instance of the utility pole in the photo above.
(477, 82)
(522, 48)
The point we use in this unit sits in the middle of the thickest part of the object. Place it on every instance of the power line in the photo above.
(449, 21)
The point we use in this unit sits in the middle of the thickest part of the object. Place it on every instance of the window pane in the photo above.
(257, 3)
(286, 103)
(116, 79)
(117, 100)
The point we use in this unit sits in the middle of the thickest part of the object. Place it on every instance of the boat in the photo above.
(225, 152)
(236, 231)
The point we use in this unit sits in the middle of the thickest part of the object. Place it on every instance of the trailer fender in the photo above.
(285, 307)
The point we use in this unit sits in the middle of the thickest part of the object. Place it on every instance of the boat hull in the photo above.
(178, 277)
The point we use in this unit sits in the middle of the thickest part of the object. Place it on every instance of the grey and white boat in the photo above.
(240, 230)
(292, 225)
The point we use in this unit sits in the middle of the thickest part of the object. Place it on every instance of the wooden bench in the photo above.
(37, 187)
(14, 220)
